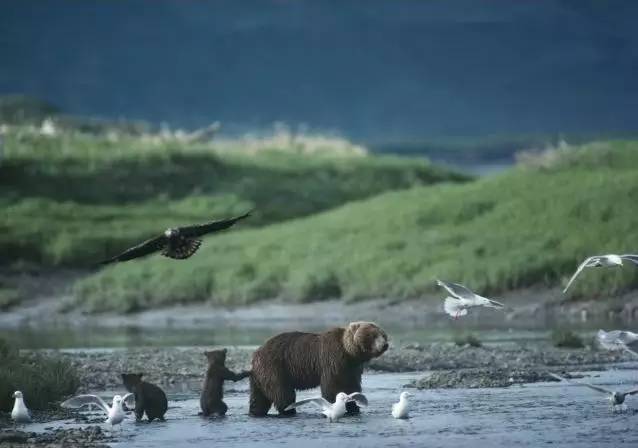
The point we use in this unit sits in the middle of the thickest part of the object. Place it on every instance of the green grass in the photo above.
(9, 297)
(528, 226)
(566, 339)
(471, 340)
(42, 379)
(75, 199)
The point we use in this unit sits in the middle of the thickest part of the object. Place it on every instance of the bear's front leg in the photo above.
(330, 387)
(259, 404)
(139, 407)
(285, 398)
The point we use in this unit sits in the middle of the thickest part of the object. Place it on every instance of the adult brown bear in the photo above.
(292, 361)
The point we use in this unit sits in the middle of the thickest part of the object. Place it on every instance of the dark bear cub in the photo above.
(211, 400)
(148, 397)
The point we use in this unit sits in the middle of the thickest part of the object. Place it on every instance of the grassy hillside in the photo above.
(531, 225)
(73, 199)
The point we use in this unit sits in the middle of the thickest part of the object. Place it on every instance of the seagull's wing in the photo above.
(580, 268)
(632, 392)
(458, 291)
(453, 307)
(319, 401)
(85, 400)
(129, 400)
(146, 248)
(627, 349)
(493, 303)
(213, 226)
(578, 383)
(626, 337)
(593, 387)
(359, 398)
(630, 257)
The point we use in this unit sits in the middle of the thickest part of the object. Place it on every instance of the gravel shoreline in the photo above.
(89, 437)
(524, 362)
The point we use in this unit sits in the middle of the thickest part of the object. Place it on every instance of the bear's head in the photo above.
(131, 380)
(216, 357)
(364, 340)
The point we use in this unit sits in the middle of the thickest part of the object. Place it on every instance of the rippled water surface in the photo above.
(531, 415)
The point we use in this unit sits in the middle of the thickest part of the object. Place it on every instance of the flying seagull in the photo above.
(20, 412)
(115, 412)
(616, 399)
(617, 340)
(178, 243)
(333, 411)
(462, 299)
(400, 409)
(599, 261)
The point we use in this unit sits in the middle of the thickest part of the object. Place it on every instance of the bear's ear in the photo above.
(140, 375)
(225, 350)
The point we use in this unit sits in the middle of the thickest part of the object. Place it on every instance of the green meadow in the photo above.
(74, 199)
(530, 225)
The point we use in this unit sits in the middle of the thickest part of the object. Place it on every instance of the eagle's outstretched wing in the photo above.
(213, 226)
(146, 248)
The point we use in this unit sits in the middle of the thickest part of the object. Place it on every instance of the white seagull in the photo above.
(115, 412)
(616, 399)
(400, 409)
(600, 261)
(617, 340)
(333, 411)
(20, 413)
(462, 299)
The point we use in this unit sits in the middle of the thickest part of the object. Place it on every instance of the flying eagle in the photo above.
(178, 243)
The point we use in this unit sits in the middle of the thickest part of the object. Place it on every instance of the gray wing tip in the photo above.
(556, 376)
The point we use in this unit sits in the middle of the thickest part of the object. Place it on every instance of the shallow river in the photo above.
(531, 415)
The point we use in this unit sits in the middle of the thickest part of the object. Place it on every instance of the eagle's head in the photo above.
(170, 233)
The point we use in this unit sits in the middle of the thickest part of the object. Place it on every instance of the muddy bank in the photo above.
(47, 301)
(493, 364)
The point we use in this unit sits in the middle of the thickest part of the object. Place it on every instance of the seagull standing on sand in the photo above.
(600, 261)
(400, 409)
(616, 399)
(115, 412)
(20, 412)
(333, 411)
(617, 340)
(178, 243)
(462, 299)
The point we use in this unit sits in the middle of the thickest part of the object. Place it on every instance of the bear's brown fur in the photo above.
(148, 397)
(211, 399)
(293, 361)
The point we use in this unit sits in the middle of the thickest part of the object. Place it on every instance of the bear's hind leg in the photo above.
(284, 398)
(259, 403)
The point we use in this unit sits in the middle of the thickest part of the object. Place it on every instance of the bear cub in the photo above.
(212, 396)
(148, 397)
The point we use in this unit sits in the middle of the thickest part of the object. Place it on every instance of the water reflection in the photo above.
(95, 336)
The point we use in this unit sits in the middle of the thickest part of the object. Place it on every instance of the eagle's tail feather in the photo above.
(184, 250)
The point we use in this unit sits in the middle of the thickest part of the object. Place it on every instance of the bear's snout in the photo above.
(380, 344)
